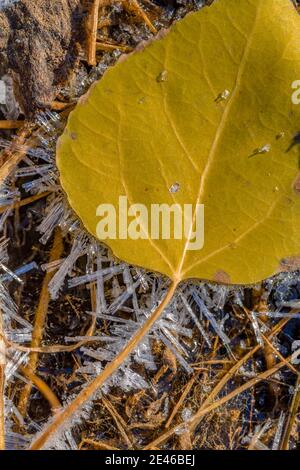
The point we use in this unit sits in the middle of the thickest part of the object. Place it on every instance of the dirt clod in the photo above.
(39, 47)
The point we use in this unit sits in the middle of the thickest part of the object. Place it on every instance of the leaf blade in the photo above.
(145, 134)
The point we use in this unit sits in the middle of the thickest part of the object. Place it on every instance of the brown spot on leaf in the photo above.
(296, 185)
(289, 201)
(73, 135)
(222, 277)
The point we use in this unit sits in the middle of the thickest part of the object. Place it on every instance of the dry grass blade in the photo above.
(2, 382)
(60, 106)
(121, 425)
(183, 396)
(11, 157)
(42, 387)
(11, 124)
(263, 376)
(292, 415)
(92, 26)
(97, 444)
(185, 441)
(87, 393)
(279, 355)
(24, 202)
(40, 318)
(220, 385)
(107, 47)
(270, 358)
(193, 422)
(134, 6)
(2, 429)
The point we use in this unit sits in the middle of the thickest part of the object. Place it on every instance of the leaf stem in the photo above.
(89, 391)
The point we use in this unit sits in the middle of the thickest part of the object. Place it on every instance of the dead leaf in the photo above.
(178, 123)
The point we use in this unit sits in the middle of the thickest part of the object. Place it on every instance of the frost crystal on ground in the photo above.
(98, 303)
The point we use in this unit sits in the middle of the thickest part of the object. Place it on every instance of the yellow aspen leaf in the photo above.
(203, 115)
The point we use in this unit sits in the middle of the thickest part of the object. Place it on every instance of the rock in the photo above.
(4, 35)
(39, 46)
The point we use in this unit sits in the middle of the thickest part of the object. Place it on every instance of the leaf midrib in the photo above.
(180, 274)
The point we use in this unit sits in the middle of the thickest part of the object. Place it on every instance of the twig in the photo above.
(291, 416)
(11, 157)
(194, 421)
(40, 318)
(35, 380)
(218, 387)
(260, 377)
(262, 308)
(121, 425)
(134, 6)
(92, 26)
(11, 124)
(280, 356)
(185, 440)
(2, 384)
(105, 46)
(60, 106)
(57, 348)
(42, 387)
(99, 444)
(184, 394)
(24, 202)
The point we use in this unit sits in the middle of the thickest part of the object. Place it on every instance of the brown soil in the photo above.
(39, 47)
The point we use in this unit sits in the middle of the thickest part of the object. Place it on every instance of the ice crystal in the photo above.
(204, 310)
(256, 328)
(124, 296)
(5, 3)
(279, 431)
(78, 249)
